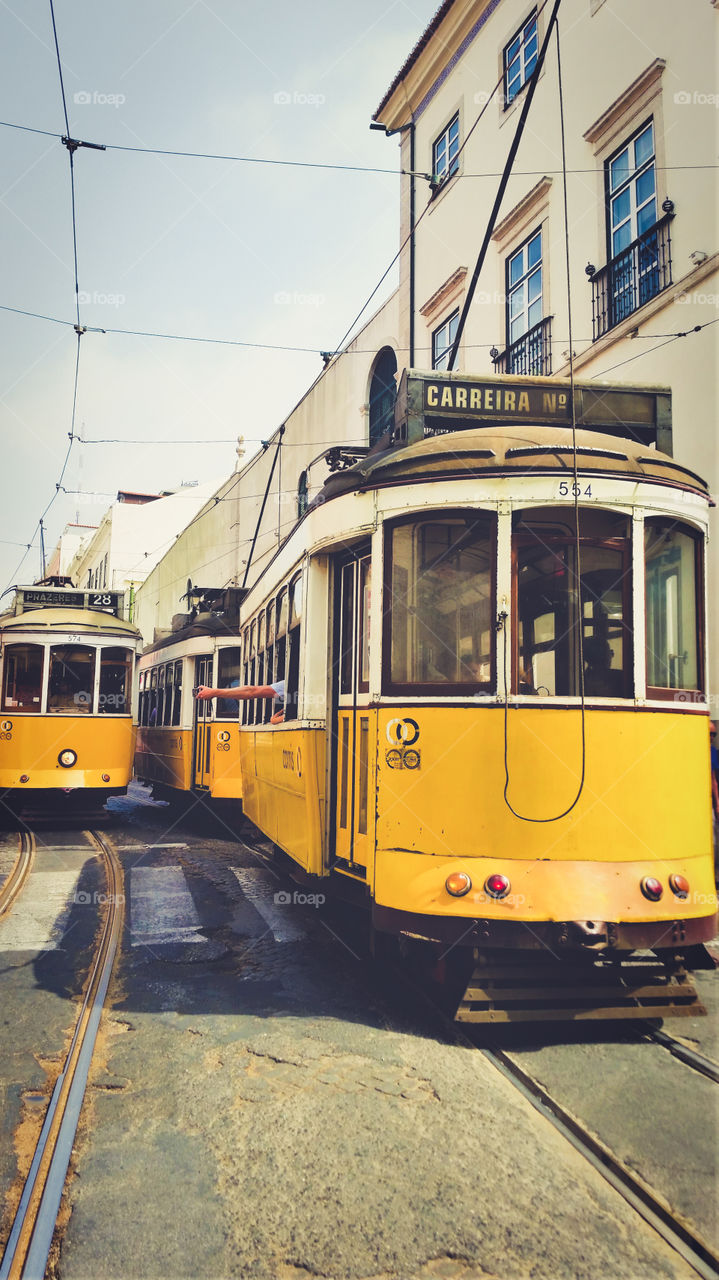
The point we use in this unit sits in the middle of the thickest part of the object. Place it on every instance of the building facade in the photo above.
(346, 410)
(639, 98)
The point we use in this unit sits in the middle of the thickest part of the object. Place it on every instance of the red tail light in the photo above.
(497, 886)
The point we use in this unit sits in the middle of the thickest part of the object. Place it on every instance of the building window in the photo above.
(445, 152)
(638, 244)
(443, 339)
(520, 59)
(382, 395)
(529, 334)
(524, 288)
(302, 496)
(632, 190)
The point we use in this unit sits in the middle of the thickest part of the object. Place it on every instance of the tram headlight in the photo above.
(458, 883)
(652, 888)
(497, 886)
(67, 758)
(679, 886)
(106, 777)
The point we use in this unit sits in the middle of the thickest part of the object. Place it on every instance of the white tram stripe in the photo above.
(40, 915)
(262, 891)
(162, 908)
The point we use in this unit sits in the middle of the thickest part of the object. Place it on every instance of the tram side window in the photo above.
(22, 683)
(280, 672)
(672, 571)
(293, 655)
(152, 717)
(244, 707)
(228, 677)
(169, 693)
(252, 702)
(177, 694)
(72, 679)
(270, 673)
(439, 603)
(115, 681)
(546, 659)
(144, 710)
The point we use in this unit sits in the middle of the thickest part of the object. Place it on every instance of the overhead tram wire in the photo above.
(514, 147)
(506, 174)
(71, 145)
(307, 164)
(575, 491)
(268, 346)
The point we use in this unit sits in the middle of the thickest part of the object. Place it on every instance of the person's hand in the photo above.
(277, 718)
(203, 693)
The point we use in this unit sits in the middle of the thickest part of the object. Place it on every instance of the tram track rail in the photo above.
(684, 1053)
(15, 882)
(28, 1245)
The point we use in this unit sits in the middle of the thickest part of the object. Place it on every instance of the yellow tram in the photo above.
(187, 748)
(66, 674)
(492, 632)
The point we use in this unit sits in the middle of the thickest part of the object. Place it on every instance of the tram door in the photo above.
(203, 712)
(354, 812)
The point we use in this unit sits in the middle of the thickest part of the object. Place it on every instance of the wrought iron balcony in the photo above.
(633, 277)
(530, 354)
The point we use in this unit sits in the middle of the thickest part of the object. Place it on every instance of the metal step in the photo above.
(522, 988)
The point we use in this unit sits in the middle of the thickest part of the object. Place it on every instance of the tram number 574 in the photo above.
(576, 490)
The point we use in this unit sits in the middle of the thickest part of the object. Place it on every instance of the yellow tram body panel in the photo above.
(442, 809)
(225, 765)
(30, 748)
(283, 779)
(165, 756)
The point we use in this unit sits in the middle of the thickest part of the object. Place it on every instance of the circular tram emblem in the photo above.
(404, 731)
(224, 736)
(6, 726)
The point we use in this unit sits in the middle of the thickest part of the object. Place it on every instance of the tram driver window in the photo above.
(22, 682)
(228, 677)
(439, 604)
(548, 605)
(115, 681)
(72, 679)
(672, 572)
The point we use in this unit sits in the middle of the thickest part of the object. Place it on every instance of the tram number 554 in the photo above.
(576, 490)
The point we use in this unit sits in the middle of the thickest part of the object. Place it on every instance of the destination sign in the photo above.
(75, 599)
(54, 597)
(487, 399)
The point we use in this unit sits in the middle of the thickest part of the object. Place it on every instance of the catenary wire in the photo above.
(575, 491)
(265, 346)
(311, 164)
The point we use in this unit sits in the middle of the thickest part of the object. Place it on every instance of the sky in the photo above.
(267, 254)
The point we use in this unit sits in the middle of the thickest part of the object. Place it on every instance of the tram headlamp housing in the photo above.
(652, 888)
(497, 886)
(458, 883)
(67, 758)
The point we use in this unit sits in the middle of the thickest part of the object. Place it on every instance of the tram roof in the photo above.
(512, 450)
(86, 621)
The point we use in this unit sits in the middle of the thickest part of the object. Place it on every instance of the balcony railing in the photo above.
(530, 354)
(633, 277)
